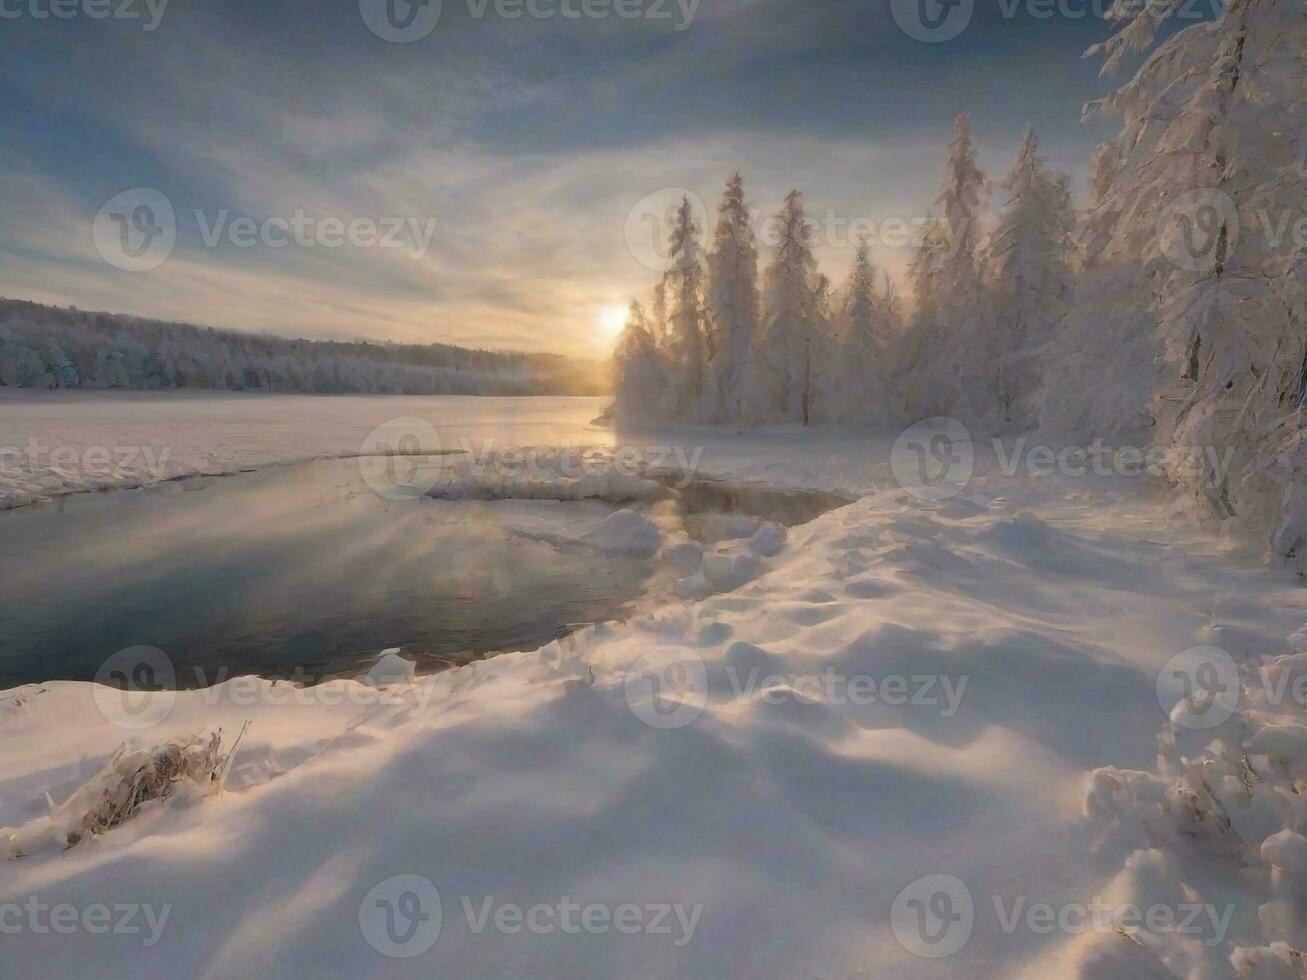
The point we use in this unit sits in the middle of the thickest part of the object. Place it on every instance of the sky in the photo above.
(497, 175)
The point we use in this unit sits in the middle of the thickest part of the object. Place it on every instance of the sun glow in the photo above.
(611, 321)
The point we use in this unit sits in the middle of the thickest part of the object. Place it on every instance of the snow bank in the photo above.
(903, 690)
(1223, 810)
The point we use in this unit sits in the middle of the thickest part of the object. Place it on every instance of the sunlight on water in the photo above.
(298, 566)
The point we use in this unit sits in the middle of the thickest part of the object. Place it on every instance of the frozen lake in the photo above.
(299, 566)
(55, 442)
(287, 567)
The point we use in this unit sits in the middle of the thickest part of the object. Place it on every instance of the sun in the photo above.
(611, 321)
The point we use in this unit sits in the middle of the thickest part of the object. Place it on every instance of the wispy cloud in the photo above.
(527, 143)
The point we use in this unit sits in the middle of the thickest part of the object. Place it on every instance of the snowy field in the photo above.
(758, 783)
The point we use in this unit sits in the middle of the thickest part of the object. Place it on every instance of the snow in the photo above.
(390, 668)
(626, 533)
(58, 442)
(965, 687)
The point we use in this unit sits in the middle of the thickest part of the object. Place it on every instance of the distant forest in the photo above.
(58, 347)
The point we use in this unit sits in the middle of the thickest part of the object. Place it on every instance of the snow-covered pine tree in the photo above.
(639, 372)
(785, 370)
(687, 343)
(658, 322)
(731, 307)
(859, 329)
(908, 360)
(1197, 194)
(1029, 259)
(953, 307)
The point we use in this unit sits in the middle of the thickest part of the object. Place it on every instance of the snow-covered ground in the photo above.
(760, 783)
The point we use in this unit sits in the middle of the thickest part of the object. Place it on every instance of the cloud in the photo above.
(527, 142)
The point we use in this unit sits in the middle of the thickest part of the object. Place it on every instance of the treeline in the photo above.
(55, 347)
(718, 346)
(1170, 312)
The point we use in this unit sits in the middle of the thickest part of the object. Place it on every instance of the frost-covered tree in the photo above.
(857, 369)
(952, 302)
(1030, 261)
(687, 345)
(731, 307)
(961, 201)
(658, 320)
(786, 369)
(1188, 226)
(45, 347)
(639, 375)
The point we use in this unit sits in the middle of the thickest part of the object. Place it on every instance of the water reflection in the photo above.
(298, 566)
